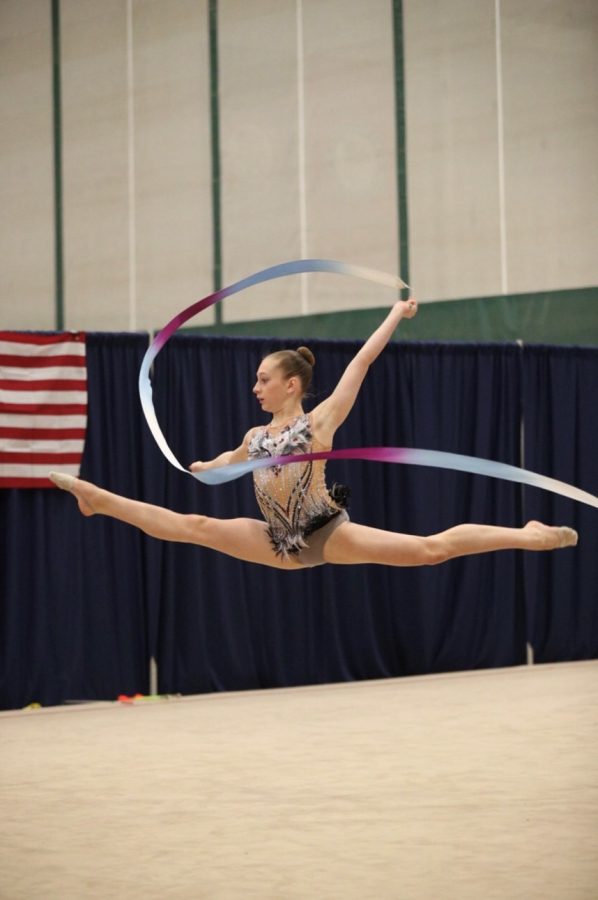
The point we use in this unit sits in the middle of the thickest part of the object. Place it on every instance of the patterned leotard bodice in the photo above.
(293, 498)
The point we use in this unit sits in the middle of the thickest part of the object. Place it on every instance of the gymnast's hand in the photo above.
(197, 466)
(408, 307)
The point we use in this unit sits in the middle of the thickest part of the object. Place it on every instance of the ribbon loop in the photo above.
(405, 455)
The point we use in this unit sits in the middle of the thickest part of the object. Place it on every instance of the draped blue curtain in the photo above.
(561, 439)
(222, 624)
(85, 603)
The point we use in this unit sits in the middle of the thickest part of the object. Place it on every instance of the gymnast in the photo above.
(305, 523)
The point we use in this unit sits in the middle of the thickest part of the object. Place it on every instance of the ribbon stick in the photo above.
(404, 455)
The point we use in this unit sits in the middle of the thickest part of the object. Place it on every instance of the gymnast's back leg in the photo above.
(242, 538)
(353, 543)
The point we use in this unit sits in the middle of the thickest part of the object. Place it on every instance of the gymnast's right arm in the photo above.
(224, 459)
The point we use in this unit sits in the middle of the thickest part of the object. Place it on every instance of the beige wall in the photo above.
(94, 115)
(308, 152)
(550, 68)
(452, 148)
(26, 166)
(258, 120)
(314, 176)
(350, 147)
(538, 231)
(137, 202)
(172, 159)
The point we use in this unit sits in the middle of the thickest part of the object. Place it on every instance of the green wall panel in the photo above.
(558, 317)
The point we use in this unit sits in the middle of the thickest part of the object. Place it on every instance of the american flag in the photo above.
(43, 406)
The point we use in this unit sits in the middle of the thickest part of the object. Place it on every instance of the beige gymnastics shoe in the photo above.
(84, 492)
(62, 480)
(552, 537)
(568, 536)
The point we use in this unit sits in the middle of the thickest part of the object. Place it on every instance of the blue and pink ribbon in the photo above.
(405, 455)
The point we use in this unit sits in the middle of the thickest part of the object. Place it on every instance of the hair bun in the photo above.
(307, 355)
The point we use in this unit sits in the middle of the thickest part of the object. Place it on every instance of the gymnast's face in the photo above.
(272, 389)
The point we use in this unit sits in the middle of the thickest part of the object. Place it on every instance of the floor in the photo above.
(470, 785)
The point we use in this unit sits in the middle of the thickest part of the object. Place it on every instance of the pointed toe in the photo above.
(569, 537)
(62, 480)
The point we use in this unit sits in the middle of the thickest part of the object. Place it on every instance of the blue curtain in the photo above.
(73, 607)
(222, 624)
(87, 602)
(561, 439)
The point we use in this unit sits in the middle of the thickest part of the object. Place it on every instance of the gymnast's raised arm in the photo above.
(333, 411)
(224, 459)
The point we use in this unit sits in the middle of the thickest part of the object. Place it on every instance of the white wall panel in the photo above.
(173, 208)
(337, 199)
(26, 166)
(550, 68)
(348, 136)
(95, 142)
(452, 148)
(258, 119)
(351, 202)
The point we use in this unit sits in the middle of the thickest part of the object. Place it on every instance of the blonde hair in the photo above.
(296, 363)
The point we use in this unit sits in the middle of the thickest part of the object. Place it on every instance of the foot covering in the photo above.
(568, 536)
(62, 480)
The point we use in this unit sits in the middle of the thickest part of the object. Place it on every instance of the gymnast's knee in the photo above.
(434, 551)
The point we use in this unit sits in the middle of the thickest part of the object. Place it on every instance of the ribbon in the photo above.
(405, 455)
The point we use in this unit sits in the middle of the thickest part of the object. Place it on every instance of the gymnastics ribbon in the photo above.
(406, 455)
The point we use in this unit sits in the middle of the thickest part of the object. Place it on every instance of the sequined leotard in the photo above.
(294, 499)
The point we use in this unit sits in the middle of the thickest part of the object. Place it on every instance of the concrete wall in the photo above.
(501, 134)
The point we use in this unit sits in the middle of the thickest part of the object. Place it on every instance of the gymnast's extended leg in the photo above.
(247, 539)
(243, 538)
(353, 543)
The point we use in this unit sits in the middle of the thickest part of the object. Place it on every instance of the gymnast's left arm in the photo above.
(224, 459)
(333, 411)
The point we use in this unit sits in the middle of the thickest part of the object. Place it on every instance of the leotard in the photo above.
(293, 498)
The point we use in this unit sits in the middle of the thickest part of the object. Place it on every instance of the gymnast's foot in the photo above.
(550, 537)
(82, 490)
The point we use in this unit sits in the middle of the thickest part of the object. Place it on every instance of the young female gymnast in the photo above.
(306, 524)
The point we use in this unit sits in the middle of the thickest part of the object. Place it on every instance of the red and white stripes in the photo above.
(43, 406)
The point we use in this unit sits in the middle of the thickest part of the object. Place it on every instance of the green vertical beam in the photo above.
(215, 138)
(57, 126)
(400, 126)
